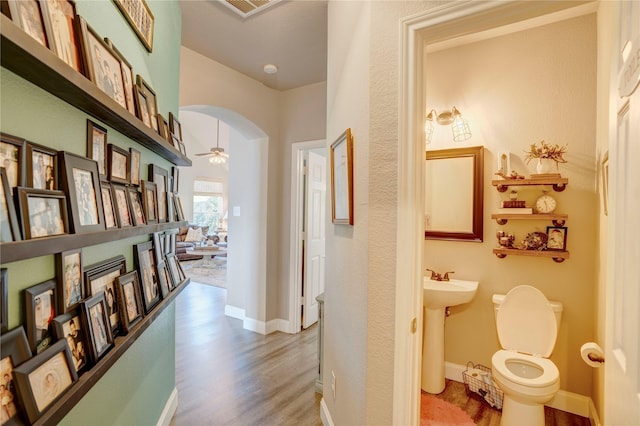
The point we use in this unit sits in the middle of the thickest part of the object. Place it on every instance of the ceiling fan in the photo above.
(217, 154)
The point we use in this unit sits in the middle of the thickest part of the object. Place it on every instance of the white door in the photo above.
(622, 372)
(314, 226)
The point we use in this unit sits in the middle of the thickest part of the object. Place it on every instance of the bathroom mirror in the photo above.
(454, 194)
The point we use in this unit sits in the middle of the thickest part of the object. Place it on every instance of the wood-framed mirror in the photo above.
(454, 194)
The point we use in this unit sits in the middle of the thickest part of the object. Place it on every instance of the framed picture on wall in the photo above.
(108, 206)
(69, 327)
(121, 204)
(9, 226)
(27, 15)
(101, 278)
(557, 238)
(96, 321)
(43, 213)
(118, 164)
(150, 201)
(134, 174)
(131, 310)
(70, 279)
(42, 167)
(342, 179)
(174, 126)
(140, 18)
(15, 350)
(40, 302)
(59, 17)
(152, 103)
(146, 265)
(127, 78)
(160, 177)
(137, 211)
(12, 158)
(97, 146)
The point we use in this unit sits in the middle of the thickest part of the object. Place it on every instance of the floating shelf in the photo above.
(556, 219)
(26, 249)
(559, 184)
(30, 60)
(557, 256)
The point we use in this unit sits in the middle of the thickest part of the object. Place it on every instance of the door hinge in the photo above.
(302, 300)
(414, 325)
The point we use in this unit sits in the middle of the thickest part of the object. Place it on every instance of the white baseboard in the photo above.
(593, 414)
(325, 415)
(565, 401)
(278, 325)
(255, 325)
(234, 312)
(169, 409)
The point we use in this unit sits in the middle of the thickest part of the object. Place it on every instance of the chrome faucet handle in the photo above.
(434, 275)
(446, 275)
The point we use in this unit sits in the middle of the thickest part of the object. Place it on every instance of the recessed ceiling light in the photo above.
(270, 69)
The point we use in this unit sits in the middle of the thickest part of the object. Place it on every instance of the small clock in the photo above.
(545, 203)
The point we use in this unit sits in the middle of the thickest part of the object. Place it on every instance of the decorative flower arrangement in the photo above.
(544, 150)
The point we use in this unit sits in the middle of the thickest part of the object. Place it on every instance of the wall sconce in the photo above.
(459, 125)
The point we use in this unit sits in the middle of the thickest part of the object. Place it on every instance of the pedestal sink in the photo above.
(437, 296)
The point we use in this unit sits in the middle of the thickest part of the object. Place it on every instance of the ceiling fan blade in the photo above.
(203, 154)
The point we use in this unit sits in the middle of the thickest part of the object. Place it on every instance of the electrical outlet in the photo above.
(333, 384)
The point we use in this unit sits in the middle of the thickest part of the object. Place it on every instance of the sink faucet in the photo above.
(438, 277)
(446, 275)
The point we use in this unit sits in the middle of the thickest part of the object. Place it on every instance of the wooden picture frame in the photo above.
(59, 24)
(140, 18)
(142, 109)
(131, 310)
(137, 209)
(174, 269)
(96, 322)
(171, 209)
(134, 173)
(43, 213)
(180, 217)
(27, 15)
(175, 177)
(146, 266)
(9, 226)
(150, 201)
(159, 246)
(43, 379)
(4, 305)
(341, 160)
(110, 216)
(175, 127)
(14, 351)
(81, 181)
(97, 146)
(557, 238)
(175, 142)
(70, 280)
(127, 77)
(101, 278)
(12, 158)
(70, 327)
(101, 64)
(160, 177)
(40, 308)
(163, 126)
(163, 280)
(152, 102)
(121, 204)
(42, 166)
(119, 164)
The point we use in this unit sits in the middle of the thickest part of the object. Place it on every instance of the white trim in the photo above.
(325, 415)
(278, 324)
(234, 312)
(295, 242)
(593, 414)
(251, 324)
(169, 409)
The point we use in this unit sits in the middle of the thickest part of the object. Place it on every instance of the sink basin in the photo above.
(440, 294)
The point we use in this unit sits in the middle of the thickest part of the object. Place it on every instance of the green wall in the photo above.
(136, 388)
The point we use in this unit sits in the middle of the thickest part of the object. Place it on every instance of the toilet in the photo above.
(527, 325)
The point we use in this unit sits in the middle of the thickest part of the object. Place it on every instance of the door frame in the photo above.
(298, 150)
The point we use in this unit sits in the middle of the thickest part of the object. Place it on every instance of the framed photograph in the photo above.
(43, 213)
(160, 177)
(42, 167)
(12, 158)
(146, 266)
(176, 142)
(101, 278)
(150, 201)
(163, 126)
(44, 378)
(97, 146)
(101, 64)
(108, 205)
(174, 272)
(174, 126)
(140, 18)
(171, 210)
(69, 327)
(9, 227)
(159, 246)
(127, 77)
(131, 310)
(40, 308)
(81, 181)
(15, 351)
(605, 183)
(178, 205)
(137, 211)
(118, 161)
(557, 238)
(134, 173)
(94, 312)
(27, 15)
(70, 280)
(164, 280)
(182, 149)
(4, 293)
(152, 103)
(175, 175)
(142, 110)
(342, 179)
(121, 204)
(58, 17)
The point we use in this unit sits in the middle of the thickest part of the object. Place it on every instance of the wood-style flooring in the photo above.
(226, 375)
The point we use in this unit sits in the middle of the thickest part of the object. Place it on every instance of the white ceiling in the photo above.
(290, 34)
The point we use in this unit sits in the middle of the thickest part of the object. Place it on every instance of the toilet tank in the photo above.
(555, 305)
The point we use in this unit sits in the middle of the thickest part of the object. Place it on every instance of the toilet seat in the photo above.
(549, 376)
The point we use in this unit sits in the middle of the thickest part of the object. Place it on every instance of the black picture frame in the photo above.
(160, 177)
(142, 108)
(150, 201)
(53, 373)
(163, 128)
(40, 308)
(4, 293)
(175, 178)
(14, 349)
(101, 278)
(9, 226)
(21, 11)
(152, 102)
(174, 269)
(43, 213)
(131, 309)
(175, 127)
(119, 164)
(12, 158)
(62, 41)
(137, 209)
(121, 204)
(70, 327)
(42, 166)
(135, 166)
(178, 206)
(81, 181)
(127, 77)
(96, 322)
(108, 207)
(164, 280)
(557, 238)
(71, 289)
(159, 246)
(146, 266)
(97, 146)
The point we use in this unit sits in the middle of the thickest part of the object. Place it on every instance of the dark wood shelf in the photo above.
(503, 218)
(30, 60)
(26, 249)
(557, 256)
(559, 184)
(56, 412)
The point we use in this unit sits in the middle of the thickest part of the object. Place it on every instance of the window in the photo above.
(208, 203)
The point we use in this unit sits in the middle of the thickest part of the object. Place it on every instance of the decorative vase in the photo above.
(545, 165)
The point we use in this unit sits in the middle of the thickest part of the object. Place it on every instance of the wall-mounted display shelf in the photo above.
(26, 249)
(559, 183)
(30, 60)
(557, 256)
(556, 219)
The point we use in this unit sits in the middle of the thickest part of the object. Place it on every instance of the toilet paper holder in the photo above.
(596, 358)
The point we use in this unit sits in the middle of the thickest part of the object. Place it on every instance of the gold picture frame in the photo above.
(342, 179)
(140, 18)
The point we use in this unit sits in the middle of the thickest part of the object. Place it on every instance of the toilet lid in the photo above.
(526, 322)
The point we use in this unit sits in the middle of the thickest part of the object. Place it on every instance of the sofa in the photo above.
(182, 246)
